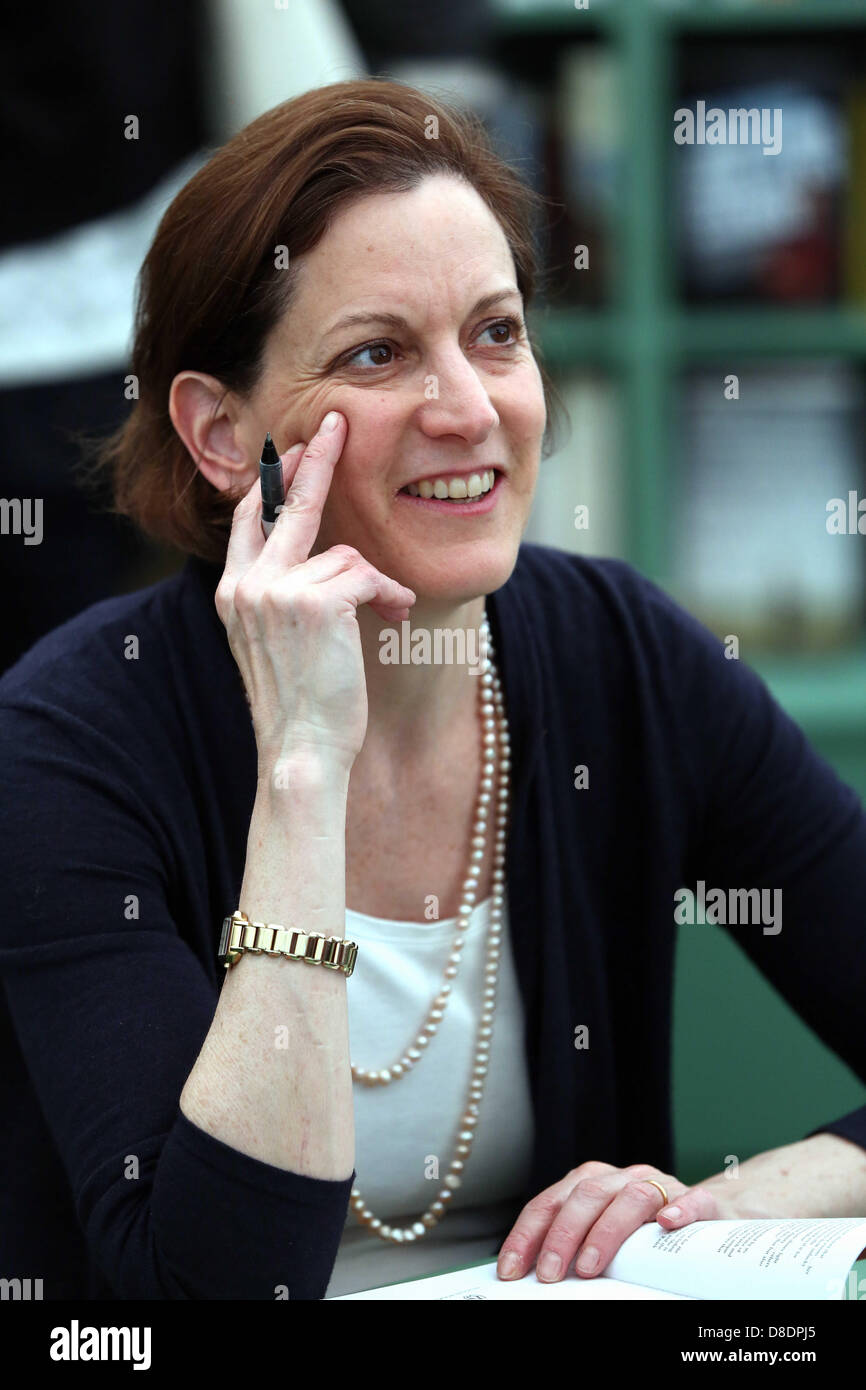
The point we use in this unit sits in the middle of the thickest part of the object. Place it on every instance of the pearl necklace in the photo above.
(494, 728)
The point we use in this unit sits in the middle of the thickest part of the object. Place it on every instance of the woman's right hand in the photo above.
(292, 620)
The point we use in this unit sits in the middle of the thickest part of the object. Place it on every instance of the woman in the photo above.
(505, 846)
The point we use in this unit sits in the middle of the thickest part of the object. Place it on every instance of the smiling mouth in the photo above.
(457, 489)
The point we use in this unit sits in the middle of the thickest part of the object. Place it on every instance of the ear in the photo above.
(207, 418)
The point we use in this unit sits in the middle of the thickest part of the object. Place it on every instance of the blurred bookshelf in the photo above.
(701, 270)
(524, 16)
(674, 302)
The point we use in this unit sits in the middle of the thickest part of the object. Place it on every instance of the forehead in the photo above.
(436, 240)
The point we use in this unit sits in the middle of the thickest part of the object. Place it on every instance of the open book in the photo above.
(767, 1259)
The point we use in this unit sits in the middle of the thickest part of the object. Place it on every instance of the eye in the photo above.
(351, 360)
(513, 327)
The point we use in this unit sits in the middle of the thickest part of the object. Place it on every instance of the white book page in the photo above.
(483, 1282)
(765, 1259)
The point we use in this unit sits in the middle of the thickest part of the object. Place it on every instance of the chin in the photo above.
(464, 580)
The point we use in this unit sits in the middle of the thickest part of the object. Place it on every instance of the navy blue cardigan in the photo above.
(129, 774)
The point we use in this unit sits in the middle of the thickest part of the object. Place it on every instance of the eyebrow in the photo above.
(486, 301)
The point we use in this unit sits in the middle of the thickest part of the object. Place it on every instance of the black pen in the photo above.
(271, 478)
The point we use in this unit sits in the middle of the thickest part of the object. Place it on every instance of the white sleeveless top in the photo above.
(402, 1127)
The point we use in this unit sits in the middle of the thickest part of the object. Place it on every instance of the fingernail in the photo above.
(549, 1266)
(673, 1212)
(331, 420)
(508, 1265)
(588, 1260)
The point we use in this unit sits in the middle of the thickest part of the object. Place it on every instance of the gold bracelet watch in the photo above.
(239, 934)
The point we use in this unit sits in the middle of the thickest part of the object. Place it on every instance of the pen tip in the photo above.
(269, 450)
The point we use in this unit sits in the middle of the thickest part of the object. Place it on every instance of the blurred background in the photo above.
(703, 313)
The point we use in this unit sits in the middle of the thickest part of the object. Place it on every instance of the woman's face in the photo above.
(453, 389)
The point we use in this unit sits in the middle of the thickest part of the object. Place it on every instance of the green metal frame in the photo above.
(726, 1082)
(645, 338)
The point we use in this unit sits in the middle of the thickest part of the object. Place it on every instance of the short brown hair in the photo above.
(210, 290)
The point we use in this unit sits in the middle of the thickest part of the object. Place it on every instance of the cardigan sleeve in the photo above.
(110, 1007)
(768, 812)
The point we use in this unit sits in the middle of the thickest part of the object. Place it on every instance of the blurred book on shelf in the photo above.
(761, 201)
(579, 502)
(584, 171)
(854, 272)
(754, 477)
(570, 9)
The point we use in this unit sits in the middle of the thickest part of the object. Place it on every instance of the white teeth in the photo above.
(454, 489)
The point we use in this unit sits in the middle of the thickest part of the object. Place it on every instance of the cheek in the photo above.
(376, 427)
(523, 406)
(301, 408)
(374, 420)
(536, 406)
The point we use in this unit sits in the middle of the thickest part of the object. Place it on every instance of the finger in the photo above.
(520, 1247)
(693, 1204)
(391, 615)
(290, 461)
(300, 517)
(578, 1213)
(339, 559)
(586, 1203)
(636, 1203)
(318, 568)
(363, 583)
(247, 540)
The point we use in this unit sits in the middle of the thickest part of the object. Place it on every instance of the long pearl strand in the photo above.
(494, 727)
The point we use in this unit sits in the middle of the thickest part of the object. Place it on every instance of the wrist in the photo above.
(823, 1175)
(295, 869)
(284, 779)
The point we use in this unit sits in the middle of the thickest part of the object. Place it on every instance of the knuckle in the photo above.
(564, 1234)
(606, 1235)
(316, 449)
(640, 1170)
(593, 1188)
(246, 593)
(271, 599)
(295, 501)
(544, 1204)
(223, 594)
(306, 604)
(640, 1192)
(591, 1169)
(347, 553)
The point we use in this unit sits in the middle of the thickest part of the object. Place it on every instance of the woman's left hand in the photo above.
(589, 1214)
(596, 1206)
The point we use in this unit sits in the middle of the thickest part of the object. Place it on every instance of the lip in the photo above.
(476, 507)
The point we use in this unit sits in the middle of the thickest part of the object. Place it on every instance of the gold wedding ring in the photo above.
(660, 1188)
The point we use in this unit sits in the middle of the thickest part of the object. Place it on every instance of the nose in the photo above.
(456, 402)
